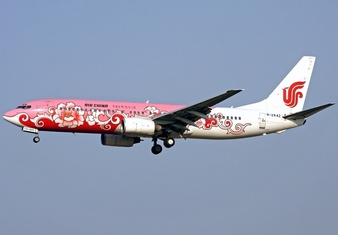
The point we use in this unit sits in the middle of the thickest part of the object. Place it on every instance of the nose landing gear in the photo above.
(36, 139)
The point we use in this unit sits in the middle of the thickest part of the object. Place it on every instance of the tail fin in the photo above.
(290, 94)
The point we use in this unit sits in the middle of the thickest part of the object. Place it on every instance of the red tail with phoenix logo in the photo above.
(292, 94)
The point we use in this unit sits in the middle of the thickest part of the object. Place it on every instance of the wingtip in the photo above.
(235, 90)
(330, 104)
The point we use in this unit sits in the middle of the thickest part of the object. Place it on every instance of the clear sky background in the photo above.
(179, 52)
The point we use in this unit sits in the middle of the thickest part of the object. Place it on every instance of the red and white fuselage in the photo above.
(105, 117)
(124, 123)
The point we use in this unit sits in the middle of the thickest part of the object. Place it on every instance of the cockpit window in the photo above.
(24, 107)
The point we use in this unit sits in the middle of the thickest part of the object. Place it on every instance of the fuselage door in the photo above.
(262, 121)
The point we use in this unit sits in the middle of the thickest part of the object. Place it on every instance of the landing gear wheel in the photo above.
(156, 149)
(36, 139)
(168, 143)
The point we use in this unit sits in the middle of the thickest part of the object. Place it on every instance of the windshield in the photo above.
(24, 106)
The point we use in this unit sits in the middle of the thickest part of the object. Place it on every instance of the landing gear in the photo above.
(156, 149)
(169, 142)
(36, 139)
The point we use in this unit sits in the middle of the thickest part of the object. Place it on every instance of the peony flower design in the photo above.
(68, 115)
(93, 117)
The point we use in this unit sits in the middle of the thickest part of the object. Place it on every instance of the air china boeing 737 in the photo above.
(124, 124)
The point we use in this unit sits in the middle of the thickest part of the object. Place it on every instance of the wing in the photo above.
(179, 119)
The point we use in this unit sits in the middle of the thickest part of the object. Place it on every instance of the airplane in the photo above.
(123, 124)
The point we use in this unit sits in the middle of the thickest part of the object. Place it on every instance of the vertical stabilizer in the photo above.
(290, 94)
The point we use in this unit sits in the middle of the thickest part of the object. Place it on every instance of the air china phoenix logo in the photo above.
(292, 94)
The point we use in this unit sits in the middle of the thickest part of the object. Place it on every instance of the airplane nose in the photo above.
(11, 117)
(7, 116)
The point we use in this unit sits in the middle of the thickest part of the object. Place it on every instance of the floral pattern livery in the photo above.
(223, 123)
(71, 116)
(68, 115)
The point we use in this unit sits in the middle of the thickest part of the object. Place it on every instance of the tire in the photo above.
(36, 139)
(156, 149)
(168, 143)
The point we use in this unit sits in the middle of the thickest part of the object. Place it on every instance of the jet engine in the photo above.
(139, 127)
(119, 140)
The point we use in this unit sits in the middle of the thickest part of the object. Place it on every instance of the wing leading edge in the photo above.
(179, 119)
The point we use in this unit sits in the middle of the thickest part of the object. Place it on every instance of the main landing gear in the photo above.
(156, 149)
(168, 143)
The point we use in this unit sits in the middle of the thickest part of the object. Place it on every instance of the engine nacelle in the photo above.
(139, 126)
(119, 140)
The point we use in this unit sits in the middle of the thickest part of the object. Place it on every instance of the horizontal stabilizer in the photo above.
(307, 113)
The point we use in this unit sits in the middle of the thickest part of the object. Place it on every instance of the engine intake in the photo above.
(119, 140)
